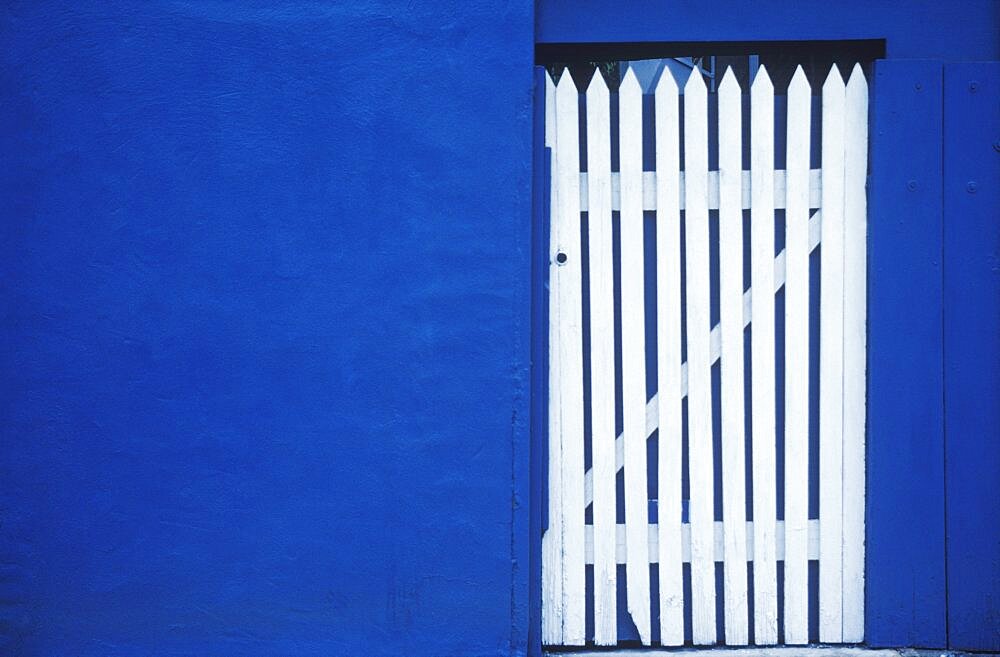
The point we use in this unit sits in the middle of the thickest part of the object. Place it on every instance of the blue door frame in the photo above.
(933, 499)
(933, 462)
(971, 175)
(905, 555)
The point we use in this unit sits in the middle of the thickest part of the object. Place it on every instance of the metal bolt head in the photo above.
(918, 86)
(996, 145)
(972, 187)
(912, 185)
(974, 86)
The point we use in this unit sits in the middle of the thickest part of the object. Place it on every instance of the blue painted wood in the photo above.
(539, 363)
(905, 593)
(919, 28)
(972, 352)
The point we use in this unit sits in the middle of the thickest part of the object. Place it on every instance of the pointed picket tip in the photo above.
(630, 83)
(799, 81)
(695, 80)
(857, 82)
(565, 81)
(834, 79)
(762, 84)
(556, 75)
(567, 95)
(598, 86)
(550, 85)
(695, 85)
(729, 83)
(666, 84)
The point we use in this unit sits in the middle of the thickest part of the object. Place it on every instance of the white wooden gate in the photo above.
(824, 206)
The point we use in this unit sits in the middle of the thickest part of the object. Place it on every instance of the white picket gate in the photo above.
(821, 207)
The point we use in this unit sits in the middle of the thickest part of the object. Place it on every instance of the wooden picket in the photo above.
(668, 360)
(855, 333)
(797, 248)
(602, 359)
(699, 362)
(831, 364)
(566, 370)
(634, 355)
(731, 324)
(765, 578)
(552, 571)
(825, 205)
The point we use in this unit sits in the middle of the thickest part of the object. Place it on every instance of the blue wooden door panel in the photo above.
(972, 352)
(539, 362)
(905, 593)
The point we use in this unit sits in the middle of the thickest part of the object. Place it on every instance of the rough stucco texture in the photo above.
(264, 280)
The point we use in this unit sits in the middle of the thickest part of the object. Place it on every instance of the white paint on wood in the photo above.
(731, 323)
(649, 195)
(715, 342)
(552, 597)
(855, 303)
(668, 400)
(821, 651)
(602, 360)
(762, 357)
(796, 602)
(836, 540)
(699, 363)
(831, 382)
(634, 355)
(684, 532)
(570, 320)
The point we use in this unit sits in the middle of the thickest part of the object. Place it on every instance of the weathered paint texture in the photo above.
(264, 277)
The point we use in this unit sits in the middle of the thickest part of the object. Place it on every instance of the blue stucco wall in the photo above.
(265, 316)
(264, 336)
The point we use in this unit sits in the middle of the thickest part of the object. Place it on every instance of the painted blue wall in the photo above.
(922, 29)
(265, 335)
(264, 338)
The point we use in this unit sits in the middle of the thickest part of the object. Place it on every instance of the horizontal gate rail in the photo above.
(649, 190)
(719, 549)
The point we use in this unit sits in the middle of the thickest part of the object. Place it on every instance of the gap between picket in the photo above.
(652, 418)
